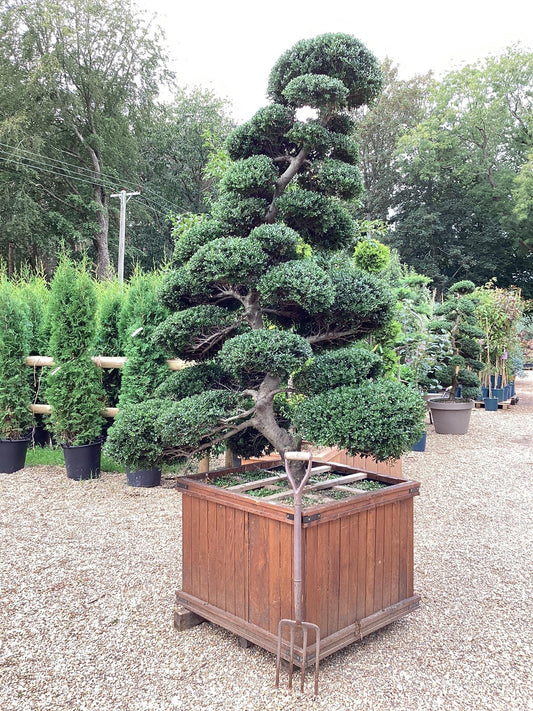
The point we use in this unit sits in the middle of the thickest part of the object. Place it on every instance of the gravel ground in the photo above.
(88, 572)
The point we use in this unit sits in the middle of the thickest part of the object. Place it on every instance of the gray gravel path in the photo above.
(88, 573)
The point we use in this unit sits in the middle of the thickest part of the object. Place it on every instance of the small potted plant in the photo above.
(74, 387)
(135, 441)
(144, 370)
(458, 374)
(15, 393)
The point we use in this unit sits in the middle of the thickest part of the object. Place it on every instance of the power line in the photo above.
(42, 163)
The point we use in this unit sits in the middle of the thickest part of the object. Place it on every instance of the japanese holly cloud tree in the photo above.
(264, 296)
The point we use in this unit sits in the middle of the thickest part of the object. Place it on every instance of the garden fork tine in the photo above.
(293, 625)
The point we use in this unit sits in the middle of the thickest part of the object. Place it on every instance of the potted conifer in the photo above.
(15, 393)
(268, 304)
(458, 373)
(74, 387)
(144, 370)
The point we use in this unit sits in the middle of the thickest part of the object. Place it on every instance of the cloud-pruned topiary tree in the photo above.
(265, 288)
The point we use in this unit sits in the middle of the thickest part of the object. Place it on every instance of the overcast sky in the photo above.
(230, 46)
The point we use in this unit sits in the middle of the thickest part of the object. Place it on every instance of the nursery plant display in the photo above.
(267, 302)
(15, 393)
(499, 312)
(459, 373)
(74, 387)
(144, 370)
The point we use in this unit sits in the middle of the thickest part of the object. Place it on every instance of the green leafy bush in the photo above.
(371, 255)
(459, 320)
(264, 294)
(15, 392)
(251, 355)
(331, 369)
(135, 438)
(382, 419)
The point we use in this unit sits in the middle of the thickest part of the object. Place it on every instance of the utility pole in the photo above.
(124, 199)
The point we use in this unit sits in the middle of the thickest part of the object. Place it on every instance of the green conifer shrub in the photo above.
(74, 387)
(15, 336)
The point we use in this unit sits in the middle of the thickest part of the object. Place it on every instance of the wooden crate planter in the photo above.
(357, 560)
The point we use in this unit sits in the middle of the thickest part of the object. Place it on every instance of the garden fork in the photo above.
(298, 624)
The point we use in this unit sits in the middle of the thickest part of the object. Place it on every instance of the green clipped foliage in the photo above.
(264, 133)
(342, 123)
(331, 369)
(317, 90)
(251, 177)
(232, 261)
(320, 221)
(186, 425)
(15, 392)
(72, 310)
(195, 237)
(363, 303)
(161, 430)
(335, 178)
(192, 380)
(239, 215)
(338, 56)
(344, 148)
(74, 387)
(141, 313)
(301, 284)
(311, 136)
(249, 356)
(195, 332)
(175, 288)
(462, 287)
(278, 241)
(135, 438)
(371, 256)
(382, 419)
(75, 392)
(265, 286)
(107, 340)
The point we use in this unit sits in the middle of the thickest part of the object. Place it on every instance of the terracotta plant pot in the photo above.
(451, 416)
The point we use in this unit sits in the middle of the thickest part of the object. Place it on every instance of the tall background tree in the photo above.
(454, 213)
(399, 108)
(176, 146)
(78, 80)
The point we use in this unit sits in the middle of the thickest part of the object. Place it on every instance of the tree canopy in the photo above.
(265, 287)
(458, 183)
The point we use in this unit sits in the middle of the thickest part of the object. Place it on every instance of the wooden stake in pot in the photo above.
(298, 624)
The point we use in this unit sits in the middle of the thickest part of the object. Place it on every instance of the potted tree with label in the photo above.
(268, 304)
(74, 388)
(15, 393)
(459, 373)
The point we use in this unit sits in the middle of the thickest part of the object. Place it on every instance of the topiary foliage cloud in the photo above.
(266, 285)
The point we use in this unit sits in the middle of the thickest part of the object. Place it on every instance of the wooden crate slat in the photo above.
(257, 484)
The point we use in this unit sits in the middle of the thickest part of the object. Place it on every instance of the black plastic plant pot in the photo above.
(13, 454)
(83, 461)
(143, 477)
